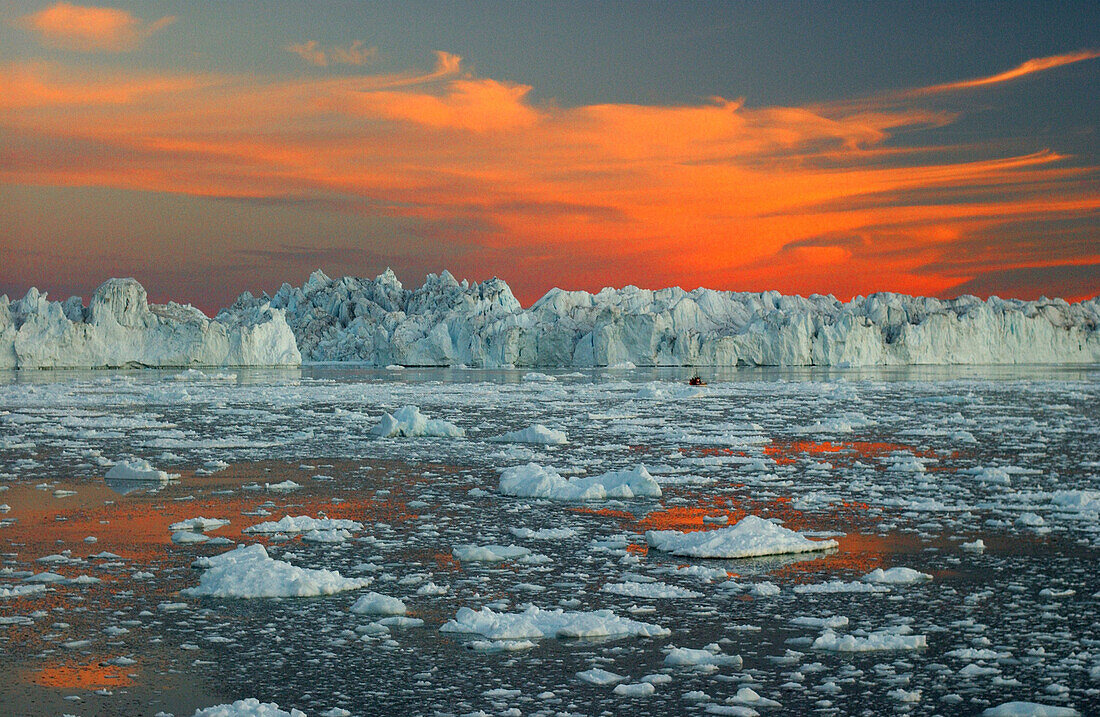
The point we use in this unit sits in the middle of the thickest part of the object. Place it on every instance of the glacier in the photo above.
(450, 323)
(444, 322)
(120, 328)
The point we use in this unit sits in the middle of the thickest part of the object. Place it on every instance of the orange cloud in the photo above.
(481, 178)
(355, 53)
(1039, 64)
(91, 29)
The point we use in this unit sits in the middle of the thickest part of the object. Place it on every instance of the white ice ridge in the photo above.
(537, 623)
(750, 537)
(447, 323)
(535, 481)
(249, 572)
(119, 328)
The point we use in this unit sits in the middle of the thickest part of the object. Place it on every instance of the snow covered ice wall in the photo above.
(447, 323)
(120, 328)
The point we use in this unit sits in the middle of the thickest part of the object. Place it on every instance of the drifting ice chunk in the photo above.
(488, 553)
(535, 622)
(199, 525)
(378, 604)
(537, 433)
(840, 586)
(710, 655)
(543, 533)
(750, 537)
(1029, 709)
(18, 591)
(139, 469)
(303, 524)
(896, 576)
(596, 676)
(534, 481)
(249, 572)
(635, 689)
(409, 421)
(650, 590)
(251, 707)
(897, 639)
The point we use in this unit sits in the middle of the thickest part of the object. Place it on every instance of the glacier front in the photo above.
(119, 328)
(448, 323)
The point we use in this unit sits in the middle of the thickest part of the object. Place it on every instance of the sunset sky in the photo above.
(208, 148)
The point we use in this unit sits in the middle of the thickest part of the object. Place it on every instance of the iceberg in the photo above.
(139, 470)
(121, 329)
(409, 421)
(450, 323)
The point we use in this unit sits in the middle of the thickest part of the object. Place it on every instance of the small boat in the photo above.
(696, 381)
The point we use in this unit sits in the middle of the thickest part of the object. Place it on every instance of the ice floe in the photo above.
(535, 622)
(535, 481)
(537, 433)
(249, 572)
(751, 536)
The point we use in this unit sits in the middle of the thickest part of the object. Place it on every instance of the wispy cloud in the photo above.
(354, 53)
(1031, 67)
(91, 29)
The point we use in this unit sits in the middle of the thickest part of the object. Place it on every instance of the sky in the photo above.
(807, 147)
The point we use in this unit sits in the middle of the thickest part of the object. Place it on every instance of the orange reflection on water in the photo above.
(91, 676)
(787, 452)
(857, 554)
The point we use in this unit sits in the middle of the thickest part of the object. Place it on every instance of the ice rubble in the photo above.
(535, 481)
(749, 537)
(249, 572)
(120, 328)
(537, 623)
(447, 323)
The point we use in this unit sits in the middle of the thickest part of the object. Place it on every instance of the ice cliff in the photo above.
(120, 328)
(447, 323)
